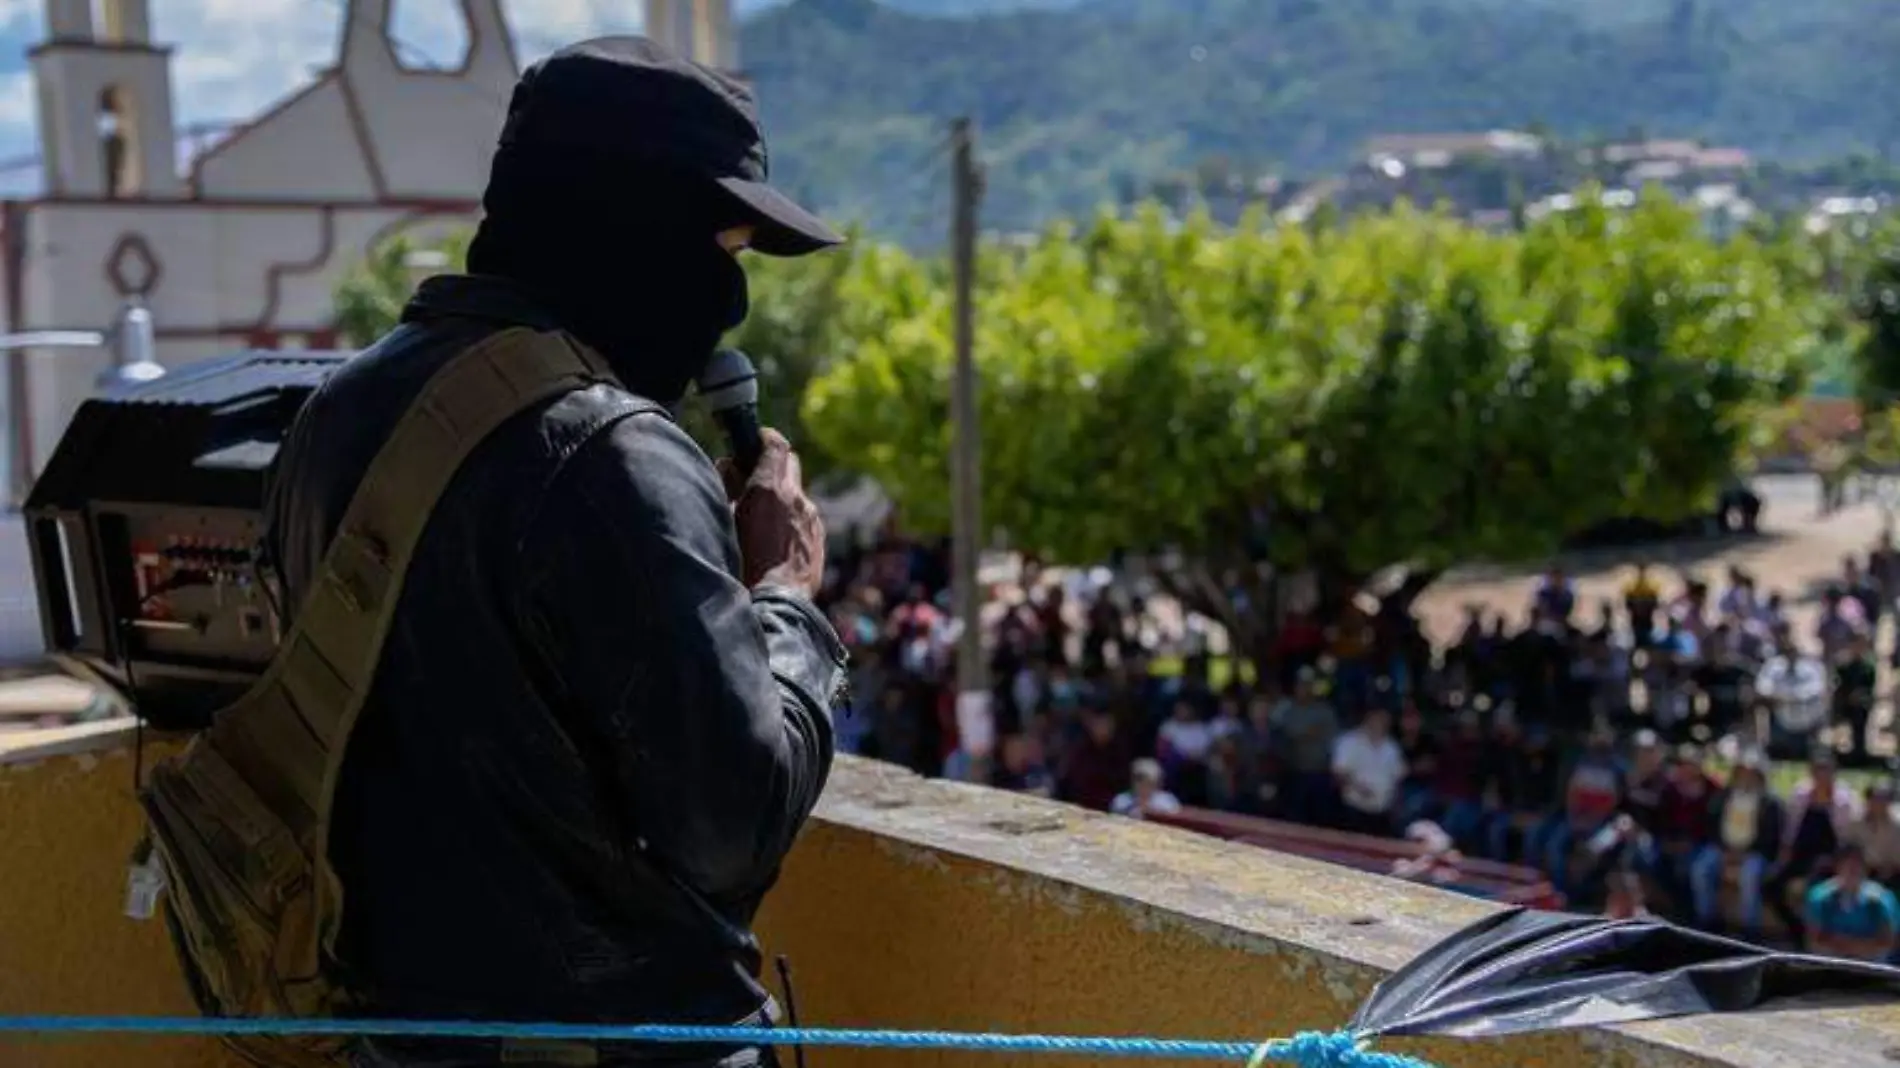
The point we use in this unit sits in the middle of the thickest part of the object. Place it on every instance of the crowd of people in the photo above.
(1623, 751)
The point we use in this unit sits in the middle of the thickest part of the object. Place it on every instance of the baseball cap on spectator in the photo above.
(1646, 739)
(630, 101)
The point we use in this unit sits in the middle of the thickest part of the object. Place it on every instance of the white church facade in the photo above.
(245, 246)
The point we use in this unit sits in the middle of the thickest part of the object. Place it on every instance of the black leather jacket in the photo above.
(588, 746)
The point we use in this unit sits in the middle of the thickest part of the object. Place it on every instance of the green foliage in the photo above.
(1076, 106)
(1391, 388)
(369, 300)
(1878, 355)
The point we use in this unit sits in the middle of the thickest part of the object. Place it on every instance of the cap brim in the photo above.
(784, 228)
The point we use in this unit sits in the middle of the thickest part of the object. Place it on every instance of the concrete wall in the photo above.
(217, 271)
(917, 905)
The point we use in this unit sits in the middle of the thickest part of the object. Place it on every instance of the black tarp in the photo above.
(1521, 971)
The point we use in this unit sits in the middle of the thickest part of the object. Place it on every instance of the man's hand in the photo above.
(781, 537)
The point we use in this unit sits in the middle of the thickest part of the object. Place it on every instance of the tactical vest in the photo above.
(239, 821)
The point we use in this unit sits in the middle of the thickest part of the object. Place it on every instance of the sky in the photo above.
(233, 58)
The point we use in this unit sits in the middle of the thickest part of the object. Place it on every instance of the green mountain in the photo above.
(1080, 104)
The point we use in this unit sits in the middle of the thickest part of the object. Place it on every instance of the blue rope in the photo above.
(1309, 1050)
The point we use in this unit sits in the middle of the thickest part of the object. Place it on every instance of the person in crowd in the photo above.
(1864, 590)
(1855, 671)
(1819, 815)
(1724, 679)
(1437, 858)
(1746, 833)
(1530, 786)
(1420, 747)
(1850, 915)
(1368, 766)
(1498, 734)
(1839, 622)
(1593, 791)
(1877, 834)
(1555, 597)
(1145, 796)
(1260, 758)
(1182, 747)
(1352, 639)
(1642, 598)
(1682, 821)
(1021, 767)
(1307, 725)
(1624, 898)
(1644, 789)
(1095, 766)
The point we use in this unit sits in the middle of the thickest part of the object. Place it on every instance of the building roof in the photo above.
(1480, 143)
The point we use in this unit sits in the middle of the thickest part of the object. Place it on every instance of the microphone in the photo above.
(730, 385)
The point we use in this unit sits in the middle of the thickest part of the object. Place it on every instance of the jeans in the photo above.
(1497, 837)
(1309, 797)
(1548, 847)
(1705, 886)
(1352, 684)
(1465, 822)
(1415, 803)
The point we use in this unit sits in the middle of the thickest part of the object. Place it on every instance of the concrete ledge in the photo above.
(1148, 912)
(909, 904)
(100, 736)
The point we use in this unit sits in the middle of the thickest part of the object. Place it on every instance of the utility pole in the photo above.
(966, 543)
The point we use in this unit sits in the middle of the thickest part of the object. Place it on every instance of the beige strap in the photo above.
(295, 724)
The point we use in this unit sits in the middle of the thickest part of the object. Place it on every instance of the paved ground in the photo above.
(1797, 552)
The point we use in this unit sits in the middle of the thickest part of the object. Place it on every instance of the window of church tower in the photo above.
(439, 22)
(118, 133)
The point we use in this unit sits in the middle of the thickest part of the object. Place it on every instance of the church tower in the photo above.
(700, 30)
(105, 100)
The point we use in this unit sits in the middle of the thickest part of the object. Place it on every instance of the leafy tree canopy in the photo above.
(1394, 388)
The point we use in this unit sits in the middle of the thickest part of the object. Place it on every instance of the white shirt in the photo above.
(1371, 770)
(1160, 802)
(1189, 738)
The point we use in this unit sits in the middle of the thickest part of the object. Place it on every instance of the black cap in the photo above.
(632, 100)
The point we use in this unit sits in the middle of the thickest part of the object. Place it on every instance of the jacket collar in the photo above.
(474, 296)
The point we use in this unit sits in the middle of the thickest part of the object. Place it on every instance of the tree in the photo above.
(369, 300)
(1877, 358)
(1399, 389)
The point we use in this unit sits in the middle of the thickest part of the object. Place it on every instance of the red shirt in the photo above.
(1684, 812)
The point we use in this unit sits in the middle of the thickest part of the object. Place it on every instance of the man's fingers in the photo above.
(771, 468)
(794, 471)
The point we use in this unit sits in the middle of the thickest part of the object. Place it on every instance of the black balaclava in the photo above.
(623, 256)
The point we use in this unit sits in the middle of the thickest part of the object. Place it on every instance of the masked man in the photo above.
(603, 710)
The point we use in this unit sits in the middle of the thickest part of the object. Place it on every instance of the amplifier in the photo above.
(144, 532)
